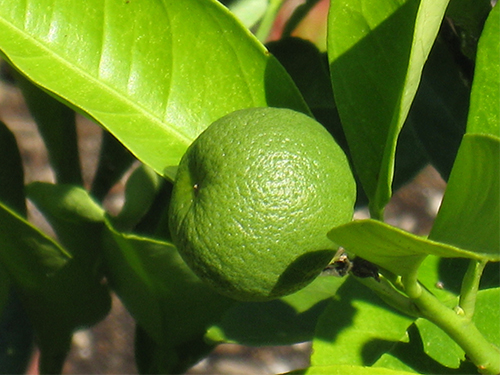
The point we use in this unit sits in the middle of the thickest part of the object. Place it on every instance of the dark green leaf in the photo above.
(132, 66)
(308, 69)
(114, 161)
(439, 112)
(16, 334)
(76, 296)
(164, 296)
(11, 172)
(376, 53)
(469, 216)
(468, 18)
(286, 321)
(56, 123)
(28, 255)
(140, 192)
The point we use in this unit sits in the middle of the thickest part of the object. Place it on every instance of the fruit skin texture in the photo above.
(255, 196)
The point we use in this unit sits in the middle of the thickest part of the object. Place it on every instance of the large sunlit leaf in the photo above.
(376, 52)
(394, 249)
(484, 114)
(469, 216)
(154, 73)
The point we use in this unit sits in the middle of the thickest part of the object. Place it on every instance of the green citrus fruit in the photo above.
(254, 198)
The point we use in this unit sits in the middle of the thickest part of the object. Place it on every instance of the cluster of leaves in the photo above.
(156, 73)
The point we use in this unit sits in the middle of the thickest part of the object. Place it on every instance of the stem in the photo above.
(459, 327)
(268, 20)
(470, 286)
(390, 295)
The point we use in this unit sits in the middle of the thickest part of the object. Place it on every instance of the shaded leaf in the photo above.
(28, 255)
(114, 161)
(468, 18)
(169, 302)
(11, 172)
(286, 321)
(133, 68)
(78, 297)
(376, 53)
(140, 191)
(439, 112)
(469, 216)
(56, 124)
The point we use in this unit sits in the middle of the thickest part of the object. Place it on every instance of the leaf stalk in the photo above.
(462, 330)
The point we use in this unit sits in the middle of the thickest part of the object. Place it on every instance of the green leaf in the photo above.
(347, 369)
(484, 113)
(114, 161)
(4, 288)
(439, 112)
(49, 285)
(249, 12)
(411, 356)
(140, 192)
(394, 249)
(430, 350)
(308, 68)
(376, 52)
(28, 255)
(56, 123)
(468, 17)
(469, 216)
(11, 172)
(132, 66)
(286, 321)
(75, 296)
(74, 216)
(159, 290)
(356, 328)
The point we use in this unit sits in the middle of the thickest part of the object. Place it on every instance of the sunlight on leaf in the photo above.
(394, 249)
(133, 67)
(484, 114)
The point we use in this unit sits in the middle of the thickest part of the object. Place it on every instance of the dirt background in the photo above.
(107, 348)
